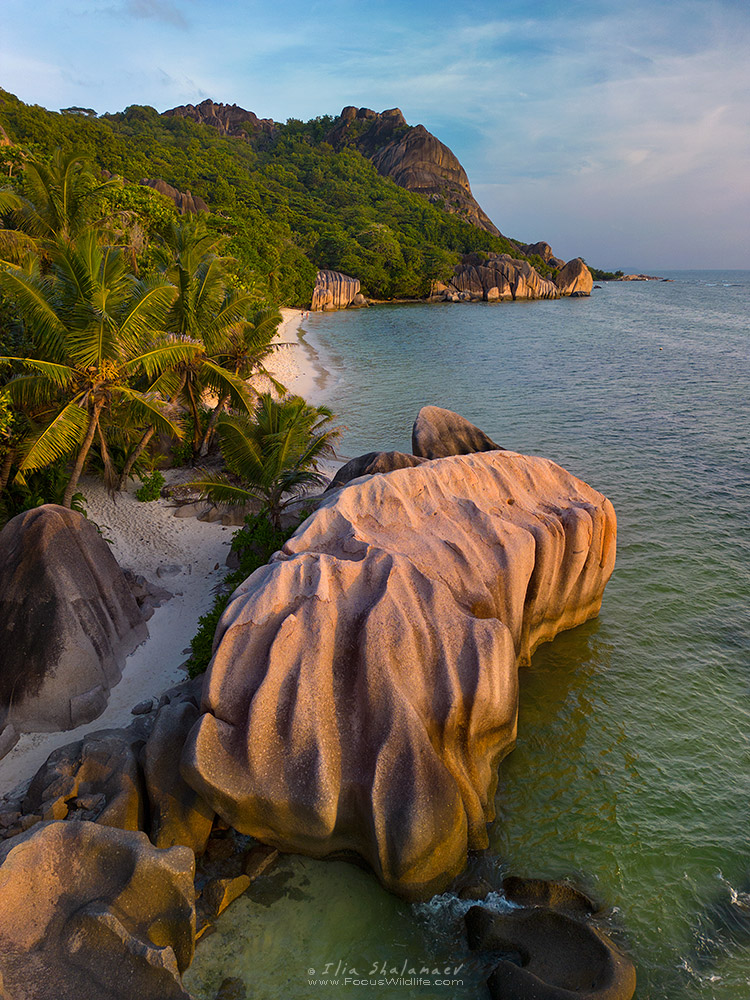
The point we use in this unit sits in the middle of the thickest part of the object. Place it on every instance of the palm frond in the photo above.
(58, 439)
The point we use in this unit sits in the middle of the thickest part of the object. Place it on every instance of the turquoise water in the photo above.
(631, 772)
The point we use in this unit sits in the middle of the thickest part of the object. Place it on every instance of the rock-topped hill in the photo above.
(364, 684)
(412, 157)
(227, 119)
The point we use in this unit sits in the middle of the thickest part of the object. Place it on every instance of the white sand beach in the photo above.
(185, 556)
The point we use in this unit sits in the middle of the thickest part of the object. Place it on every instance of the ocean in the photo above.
(631, 775)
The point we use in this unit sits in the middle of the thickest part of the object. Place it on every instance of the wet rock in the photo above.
(232, 989)
(557, 895)
(220, 892)
(92, 912)
(549, 956)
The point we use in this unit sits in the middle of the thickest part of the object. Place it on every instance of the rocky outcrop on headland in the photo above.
(88, 911)
(67, 622)
(574, 278)
(364, 684)
(184, 201)
(412, 157)
(541, 249)
(334, 290)
(227, 119)
(492, 277)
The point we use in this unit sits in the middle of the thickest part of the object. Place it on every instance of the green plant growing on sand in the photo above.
(271, 456)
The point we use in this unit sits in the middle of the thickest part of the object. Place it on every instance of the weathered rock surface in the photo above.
(412, 157)
(541, 249)
(556, 957)
(364, 683)
(372, 463)
(333, 290)
(184, 200)
(96, 778)
(67, 621)
(495, 278)
(92, 913)
(574, 278)
(227, 119)
(438, 433)
(553, 893)
(178, 814)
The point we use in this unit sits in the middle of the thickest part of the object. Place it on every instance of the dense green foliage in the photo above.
(289, 202)
(254, 545)
(599, 275)
(151, 487)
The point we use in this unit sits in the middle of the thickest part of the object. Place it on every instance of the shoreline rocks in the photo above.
(423, 589)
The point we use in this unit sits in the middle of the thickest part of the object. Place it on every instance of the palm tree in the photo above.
(243, 351)
(94, 326)
(204, 310)
(272, 456)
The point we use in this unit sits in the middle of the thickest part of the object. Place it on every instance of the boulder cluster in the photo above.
(363, 689)
(501, 278)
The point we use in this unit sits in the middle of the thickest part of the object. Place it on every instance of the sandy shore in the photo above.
(183, 555)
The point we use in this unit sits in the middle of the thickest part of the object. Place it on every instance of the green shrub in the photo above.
(151, 487)
(255, 543)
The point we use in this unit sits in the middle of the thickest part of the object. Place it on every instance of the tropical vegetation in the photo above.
(101, 351)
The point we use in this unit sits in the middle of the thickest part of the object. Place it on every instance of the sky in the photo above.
(616, 131)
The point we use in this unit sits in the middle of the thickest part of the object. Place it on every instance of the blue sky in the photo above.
(619, 131)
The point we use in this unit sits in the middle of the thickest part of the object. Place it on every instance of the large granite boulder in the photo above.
(184, 201)
(498, 277)
(333, 290)
(364, 683)
(88, 912)
(438, 433)
(412, 157)
(67, 622)
(227, 119)
(574, 279)
(372, 463)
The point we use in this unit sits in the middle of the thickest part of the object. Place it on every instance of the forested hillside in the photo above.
(289, 202)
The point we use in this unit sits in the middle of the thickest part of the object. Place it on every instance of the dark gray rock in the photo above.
(555, 894)
(67, 622)
(549, 956)
(370, 464)
(438, 433)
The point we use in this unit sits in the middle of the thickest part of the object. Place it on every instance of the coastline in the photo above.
(183, 555)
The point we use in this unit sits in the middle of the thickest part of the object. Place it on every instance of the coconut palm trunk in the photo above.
(6, 467)
(134, 456)
(82, 455)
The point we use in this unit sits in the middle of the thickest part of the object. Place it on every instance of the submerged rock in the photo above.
(438, 433)
(364, 683)
(549, 956)
(67, 622)
(87, 911)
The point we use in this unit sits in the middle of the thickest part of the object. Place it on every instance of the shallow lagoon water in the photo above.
(631, 772)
